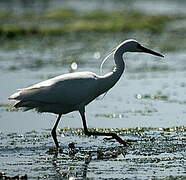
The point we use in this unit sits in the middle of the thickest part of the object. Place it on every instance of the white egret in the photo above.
(73, 91)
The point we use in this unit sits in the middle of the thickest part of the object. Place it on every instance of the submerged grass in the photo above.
(60, 21)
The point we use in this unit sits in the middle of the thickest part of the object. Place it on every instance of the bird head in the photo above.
(134, 46)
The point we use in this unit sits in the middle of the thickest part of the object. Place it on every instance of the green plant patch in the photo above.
(62, 21)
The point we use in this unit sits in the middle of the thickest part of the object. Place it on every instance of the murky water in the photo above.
(151, 94)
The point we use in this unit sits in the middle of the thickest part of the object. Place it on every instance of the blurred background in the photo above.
(40, 39)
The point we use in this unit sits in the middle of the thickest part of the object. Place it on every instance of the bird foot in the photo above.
(121, 141)
(126, 143)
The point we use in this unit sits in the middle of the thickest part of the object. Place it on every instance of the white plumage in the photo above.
(61, 94)
(73, 91)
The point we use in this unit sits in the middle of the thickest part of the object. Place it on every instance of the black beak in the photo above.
(146, 50)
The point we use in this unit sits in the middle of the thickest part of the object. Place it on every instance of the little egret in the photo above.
(73, 91)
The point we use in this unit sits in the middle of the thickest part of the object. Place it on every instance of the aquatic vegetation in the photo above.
(160, 97)
(159, 148)
(144, 112)
(61, 14)
(80, 131)
(110, 115)
(68, 22)
(153, 97)
(60, 21)
(157, 151)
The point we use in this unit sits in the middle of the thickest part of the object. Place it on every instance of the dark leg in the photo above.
(88, 133)
(54, 131)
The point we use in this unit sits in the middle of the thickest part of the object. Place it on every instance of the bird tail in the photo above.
(27, 104)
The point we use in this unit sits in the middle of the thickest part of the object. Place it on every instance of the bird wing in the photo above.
(67, 89)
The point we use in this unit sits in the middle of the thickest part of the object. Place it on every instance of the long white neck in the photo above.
(109, 80)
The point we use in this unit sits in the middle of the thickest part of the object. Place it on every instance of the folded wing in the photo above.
(67, 90)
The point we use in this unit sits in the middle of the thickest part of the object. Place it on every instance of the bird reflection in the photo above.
(81, 173)
(74, 162)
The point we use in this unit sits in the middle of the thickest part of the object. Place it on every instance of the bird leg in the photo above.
(88, 133)
(53, 132)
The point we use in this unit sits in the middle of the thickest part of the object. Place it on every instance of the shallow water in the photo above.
(150, 94)
(148, 102)
(154, 153)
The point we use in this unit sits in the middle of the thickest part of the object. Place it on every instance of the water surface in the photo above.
(146, 106)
